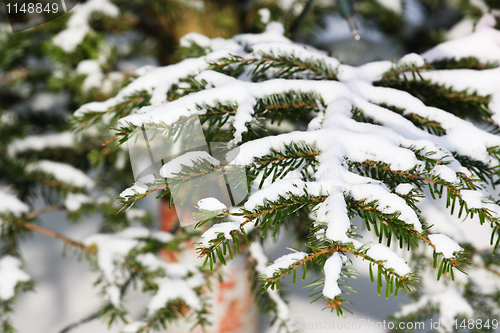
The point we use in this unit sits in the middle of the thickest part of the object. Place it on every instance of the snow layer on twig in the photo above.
(211, 204)
(284, 262)
(63, 172)
(9, 203)
(333, 267)
(445, 245)
(390, 258)
(41, 142)
(10, 275)
(78, 24)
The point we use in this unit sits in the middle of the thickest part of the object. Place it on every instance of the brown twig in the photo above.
(53, 234)
(44, 210)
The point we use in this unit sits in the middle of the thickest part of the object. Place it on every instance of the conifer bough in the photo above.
(376, 163)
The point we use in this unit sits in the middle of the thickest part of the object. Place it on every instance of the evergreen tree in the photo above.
(329, 151)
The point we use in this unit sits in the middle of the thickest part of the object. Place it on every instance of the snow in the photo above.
(447, 298)
(41, 142)
(62, 172)
(74, 201)
(162, 236)
(211, 204)
(387, 203)
(411, 59)
(463, 28)
(135, 189)
(445, 173)
(9, 203)
(284, 262)
(394, 5)
(10, 276)
(78, 26)
(472, 198)
(484, 44)
(224, 227)
(135, 213)
(303, 53)
(265, 15)
(177, 270)
(172, 289)
(93, 72)
(257, 253)
(112, 251)
(332, 268)
(392, 260)
(445, 245)
(404, 189)
(173, 167)
(157, 81)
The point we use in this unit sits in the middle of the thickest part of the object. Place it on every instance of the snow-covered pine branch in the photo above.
(364, 141)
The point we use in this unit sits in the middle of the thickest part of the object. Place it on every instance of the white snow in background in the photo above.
(10, 275)
(112, 250)
(78, 25)
(50, 102)
(211, 204)
(480, 4)
(257, 253)
(9, 203)
(394, 5)
(63, 172)
(92, 70)
(404, 189)
(172, 289)
(74, 201)
(284, 262)
(333, 267)
(135, 213)
(483, 44)
(447, 298)
(41, 142)
(463, 28)
(173, 167)
(162, 236)
(265, 15)
(224, 227)
(472, 198)
(445, 245)
(172, 270)
(392, 260)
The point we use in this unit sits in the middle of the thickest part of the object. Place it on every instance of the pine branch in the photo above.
(284, 66)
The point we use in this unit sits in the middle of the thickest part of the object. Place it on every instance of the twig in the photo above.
(44, 210)
(53, 234)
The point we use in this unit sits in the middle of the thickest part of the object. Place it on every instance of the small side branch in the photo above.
(53, 234)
